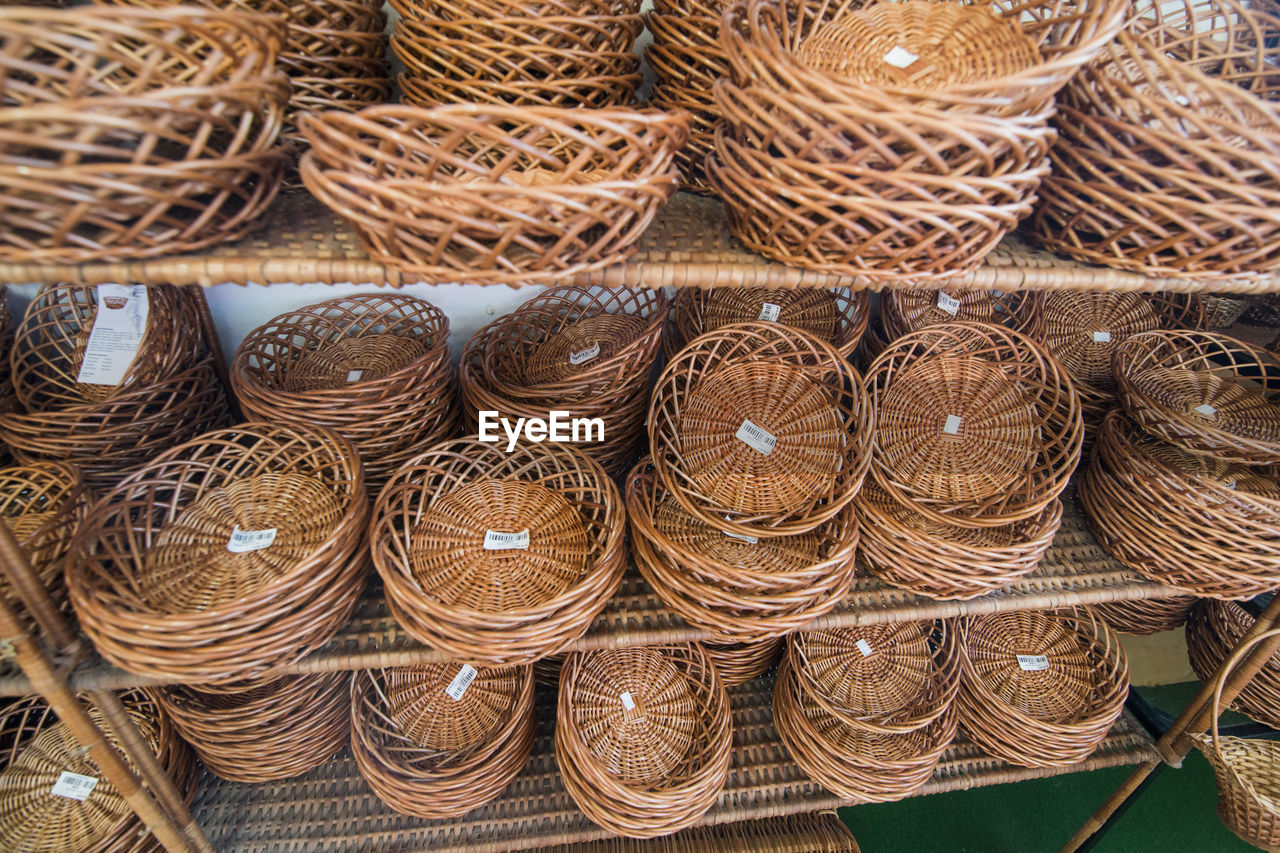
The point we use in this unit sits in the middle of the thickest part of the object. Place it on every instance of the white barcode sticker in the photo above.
(757, 438)
(864, 647)
(74, 786)
(583, 356)
(461, 682)
(1230, 484)
(354, 375)
(1033, 663)
(250, 540)
(952, 426)
(949, 304)
(900, 57)
(1206, 410)
(118, 328)
(495, 541)
(769, 312)
(1102, 337)
(627, 702)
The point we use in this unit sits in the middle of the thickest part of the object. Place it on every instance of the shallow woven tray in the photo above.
(838, 317)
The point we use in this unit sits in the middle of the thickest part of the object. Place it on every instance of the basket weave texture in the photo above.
(838, 317)
(1146, 616)
(739, 663)
(42, 505)
(1214, 629)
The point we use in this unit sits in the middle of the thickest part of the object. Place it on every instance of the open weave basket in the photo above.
(43, 505)
(1146, 615)
(837, 316)
(1214, 629)
(498, 605)
(158, 589)
(643, 736)
(903, 311)
(1040, 688)
(428, 754)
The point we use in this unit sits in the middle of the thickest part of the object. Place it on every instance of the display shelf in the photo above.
(331, 809)
(688, 244)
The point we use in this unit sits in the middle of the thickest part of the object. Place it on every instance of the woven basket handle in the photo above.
(1232, 662)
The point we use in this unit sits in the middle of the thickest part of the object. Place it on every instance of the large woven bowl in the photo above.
(432, 750)
(837, 316)
(158, 588)
(453, 582)
(1146, 615)
(1038, 688)
(1215, 629)
(42, 505)
(376, 368)
(493, 194)
(794, 396)
(643, 737)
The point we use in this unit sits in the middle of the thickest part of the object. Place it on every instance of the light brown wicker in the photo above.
(739, 663)
(1214, 629)
(643, 736)
(903, 311)
(42, 505)
(1146, 615)
(1038, 688)
(1222, 311)
(171, 578)
(497, 557)
(796, 399)
(837, 316)
(494, 194)
(449, 10)
(432, 750)
(374, 367)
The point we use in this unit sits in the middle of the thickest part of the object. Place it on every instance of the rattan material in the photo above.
(1040, 713)
(643, 737)
(376, 368)
(440, 774)
(517, 194)
(1214, 629)
(160, 593)
(838, 316)
(1148, 616)
(1221, 312)
(739, 663)
(42, 505)
(903, 311)
(498, 606)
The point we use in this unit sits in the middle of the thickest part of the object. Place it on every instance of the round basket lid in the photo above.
(498, 545)
(1082, 330)
(1221, 402)
(354, 359)
(450, 706)
(1032, 661)
(772, 555)
(877, 669)
(811, 310)
(579, 346)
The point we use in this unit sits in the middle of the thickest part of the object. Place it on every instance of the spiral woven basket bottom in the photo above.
(1235, 407)
(810, 310)
(567, 352)
(1248, 776)
(353, 359)
(739, 663)
(870, 670)
(420, 704)
(1057, 692)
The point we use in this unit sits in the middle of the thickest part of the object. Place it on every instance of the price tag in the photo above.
(769, 312)
(1182, 99)
(864, 647)
(117, 332)
(757, 438)
(900, 57)
(495, 541)
(1206, 410)
(461, 682)
(74, 786)
(354, 375)
(1033, 663)
(1102, 337)
(627, 702)
(250, 540)
(585, 355)
(952, 426)
(1230, 484)
(750, 540)
(949, 304)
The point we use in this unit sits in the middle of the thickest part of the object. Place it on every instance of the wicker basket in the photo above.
(450, 10)
(492, 194)
(1038, 688)
(691, 158)
(739, 663)
(225, 558)
(1214, 629)
(376, 368)
(435, 745)
(976, 425)
(736, 588)
(905, 311)
(643, 737)
(1146, 615)
(547, 670)
(42, 505)
(797, 400)
(837, 316)
(1221, 312)
(269, 732)
(496, 557)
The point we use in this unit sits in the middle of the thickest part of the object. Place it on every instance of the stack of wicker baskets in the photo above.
(903, 311)
(1214, 630)
(868, 712)
(1146, 615)
(91, 401)
(977, 432)
(376, 368)
(42, 504)
(838, 317)
(562, 53)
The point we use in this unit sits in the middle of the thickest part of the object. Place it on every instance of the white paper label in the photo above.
(1206, 410)
(952, 426)
(949, 304)
(769, 312)
(864, 647)
(900, 57)
(354, 375)
(74, 786)
(1102, 337)
(117, 333)
(750, 540)
(757, 438)
(461, 682)
(1181, 99)
(495, 541)
(1033, 663)
(627, 701)
(250, 540)
(585, 355)
(1229, 484)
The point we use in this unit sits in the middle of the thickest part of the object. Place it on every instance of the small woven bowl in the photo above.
(1038, 688)
(1146, 615)
(428, 754)
(454, 583)
(1214, 630)
(739, 663)
(799, 402)
(837, 316)
(904, 311)
(42, 505)
(643, 737)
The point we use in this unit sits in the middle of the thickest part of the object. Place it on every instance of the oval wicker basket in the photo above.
(498, 558)
(274, 731)
(739, 663)
(643, 737)
(1038, 688)
(43, 505)
(797, 400)
(1146, 615)
(225, 558)
(430, 755)
(376, 368)
(493, 194)
(904, 311)
(1214, 629)
(838, 317)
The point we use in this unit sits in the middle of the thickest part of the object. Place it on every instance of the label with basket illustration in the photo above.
(250, 540)
(583, 356)
(118, 328)
(496, 541)
(1033, 663)
(458, 687)
(74, 786)
(756, 437)
(769, 312)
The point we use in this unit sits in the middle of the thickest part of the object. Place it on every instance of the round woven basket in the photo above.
(42, 505)
(904, 311)
(691, 158)
(1214, 629)
(593, 92)
(976, 425)
(739, 663)
(547, 670)
(1221, 312)
(497, 557)
(376, 368)
(838, 317)
(434, 747)
(1038, 688)
(274, 731)
(1147, 615)
(494, 194)
(225, 558)
(760, 429)
(643, 737)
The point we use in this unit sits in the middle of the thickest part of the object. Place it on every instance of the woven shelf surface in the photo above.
(688, 244)
(331, 809)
